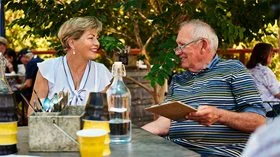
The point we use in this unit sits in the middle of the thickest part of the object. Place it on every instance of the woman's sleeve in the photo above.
(105, 77)
(271, 81)
(47, 69)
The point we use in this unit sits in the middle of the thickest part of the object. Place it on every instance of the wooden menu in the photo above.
(174, 110)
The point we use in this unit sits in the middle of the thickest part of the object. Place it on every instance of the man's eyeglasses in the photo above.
(179, 49)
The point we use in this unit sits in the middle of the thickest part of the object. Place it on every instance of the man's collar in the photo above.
(213, 62)
(209, 66)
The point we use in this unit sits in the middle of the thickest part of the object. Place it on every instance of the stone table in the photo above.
(143, 144)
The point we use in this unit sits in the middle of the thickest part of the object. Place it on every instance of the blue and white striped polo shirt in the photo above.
(225, 84)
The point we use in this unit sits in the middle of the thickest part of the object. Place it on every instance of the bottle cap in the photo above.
(118, 69)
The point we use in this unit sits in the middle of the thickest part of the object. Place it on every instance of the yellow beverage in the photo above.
(91, 142)
(93, 124)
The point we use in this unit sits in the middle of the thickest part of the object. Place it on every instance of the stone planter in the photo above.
(45, 137)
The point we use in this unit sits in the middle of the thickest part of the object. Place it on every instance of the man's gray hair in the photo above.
(202, 30)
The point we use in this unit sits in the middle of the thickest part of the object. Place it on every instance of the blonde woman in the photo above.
(75, 72)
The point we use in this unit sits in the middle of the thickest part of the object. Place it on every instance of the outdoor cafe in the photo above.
(101, 85)
(63, 130)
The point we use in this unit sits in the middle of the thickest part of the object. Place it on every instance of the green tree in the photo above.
(150, 25)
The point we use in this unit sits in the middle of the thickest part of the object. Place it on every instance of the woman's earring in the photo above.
(74, 52)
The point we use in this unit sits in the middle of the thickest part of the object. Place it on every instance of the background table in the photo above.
(143, 144)
(15, 81)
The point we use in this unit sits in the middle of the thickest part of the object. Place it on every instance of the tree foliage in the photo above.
(150, 25)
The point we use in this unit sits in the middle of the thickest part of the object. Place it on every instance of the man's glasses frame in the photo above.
(180, 48)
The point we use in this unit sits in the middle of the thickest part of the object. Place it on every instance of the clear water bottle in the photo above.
(119, 102)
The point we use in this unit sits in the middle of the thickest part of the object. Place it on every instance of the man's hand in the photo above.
(205, 115)
(244, 121)
(26, 84)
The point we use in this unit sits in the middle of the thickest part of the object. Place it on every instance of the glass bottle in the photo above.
(8, 107)
(4, 87)
(119, 102)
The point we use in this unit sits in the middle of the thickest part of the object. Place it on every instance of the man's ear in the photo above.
(205, 48)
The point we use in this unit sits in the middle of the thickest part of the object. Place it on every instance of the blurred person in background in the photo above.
(264, 77)
(12, 66)
(3, 45)
(265, 141)
(30, 61)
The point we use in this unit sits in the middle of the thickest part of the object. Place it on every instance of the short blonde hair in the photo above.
(202, 30)
(75, 27)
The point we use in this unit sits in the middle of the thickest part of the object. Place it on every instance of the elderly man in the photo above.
(3, 45)
(30, 61)
(228, 102)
